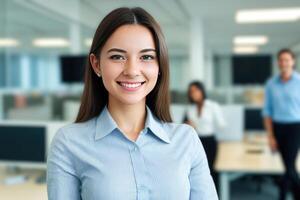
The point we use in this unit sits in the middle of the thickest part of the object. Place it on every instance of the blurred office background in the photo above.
(44, 44)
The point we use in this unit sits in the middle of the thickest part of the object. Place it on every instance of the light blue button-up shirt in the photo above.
(282, 99)
(95, 161)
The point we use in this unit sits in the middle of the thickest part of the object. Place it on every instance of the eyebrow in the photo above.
(123, 51)
(147, 50)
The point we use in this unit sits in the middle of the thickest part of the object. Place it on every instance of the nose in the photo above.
(131, 68)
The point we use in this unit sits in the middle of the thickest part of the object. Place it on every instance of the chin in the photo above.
(286, 71)
(130, 100)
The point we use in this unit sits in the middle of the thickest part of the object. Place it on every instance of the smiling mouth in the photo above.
(130, 84)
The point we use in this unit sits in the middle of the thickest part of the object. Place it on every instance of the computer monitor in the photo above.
(253, 120)
(251, 69)
(23, 145)
(72, 68)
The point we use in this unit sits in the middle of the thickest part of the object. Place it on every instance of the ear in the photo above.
(95, 62)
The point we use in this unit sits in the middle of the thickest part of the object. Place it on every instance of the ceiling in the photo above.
(29, 19)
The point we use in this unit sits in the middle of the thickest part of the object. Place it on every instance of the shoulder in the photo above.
(211, 104)
(66, 146)
(74, 132)
(297, 75)
(180, 132)
(272, 80)
(184, 138)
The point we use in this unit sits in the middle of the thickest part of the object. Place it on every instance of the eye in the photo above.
(147, 57)
(117, 57)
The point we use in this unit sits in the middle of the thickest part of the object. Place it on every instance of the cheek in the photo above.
(197, 95)
(200, 95)
(152, 80)
(151, 72)
(110, 72)
(287, 63)
(292, 63)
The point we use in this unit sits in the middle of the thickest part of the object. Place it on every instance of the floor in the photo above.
(255, 188)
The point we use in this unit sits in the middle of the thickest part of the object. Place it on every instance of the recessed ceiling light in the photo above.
(250, 40)
(267, 15)
(8, 42)
(50, 42)
(245, 49)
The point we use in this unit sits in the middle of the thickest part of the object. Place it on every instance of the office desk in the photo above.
(23, 191)
(236, 159)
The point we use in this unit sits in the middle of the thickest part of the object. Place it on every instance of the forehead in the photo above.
(131, 37)
(193, 87)
(285, 55)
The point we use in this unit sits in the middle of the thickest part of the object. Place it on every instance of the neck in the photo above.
(129, 118)
(286, 76)
(200, 103)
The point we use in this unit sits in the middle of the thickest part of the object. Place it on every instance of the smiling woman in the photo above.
(123, 144)
(117, 44)
(127, 64)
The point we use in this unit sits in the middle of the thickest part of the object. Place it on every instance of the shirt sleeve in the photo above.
(219, 117)
(268, 108)
(201, 182)
(62, 182)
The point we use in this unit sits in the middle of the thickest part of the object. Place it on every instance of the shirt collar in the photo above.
(105, 125)
(156, 126)
(293, 76)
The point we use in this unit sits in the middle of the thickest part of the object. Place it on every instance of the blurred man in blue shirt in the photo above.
(282, 119)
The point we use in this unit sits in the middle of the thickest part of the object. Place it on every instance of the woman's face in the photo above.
(128, 64)
(195, 94)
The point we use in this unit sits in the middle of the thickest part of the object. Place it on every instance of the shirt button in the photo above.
(134, 148)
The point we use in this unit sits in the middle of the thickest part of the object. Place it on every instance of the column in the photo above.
(74, 34)
(196, 68)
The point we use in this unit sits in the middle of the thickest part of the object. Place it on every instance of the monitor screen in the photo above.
(253, 119)
(247, 69)
(72, 68)
(22, 143)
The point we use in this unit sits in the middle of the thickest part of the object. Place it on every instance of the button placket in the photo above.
(140, 173)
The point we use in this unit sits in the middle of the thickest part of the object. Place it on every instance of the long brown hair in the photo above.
(95, 96)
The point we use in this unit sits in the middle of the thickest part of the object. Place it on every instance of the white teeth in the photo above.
(129, 85)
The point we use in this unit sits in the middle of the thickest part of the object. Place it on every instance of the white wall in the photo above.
(298, 62)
